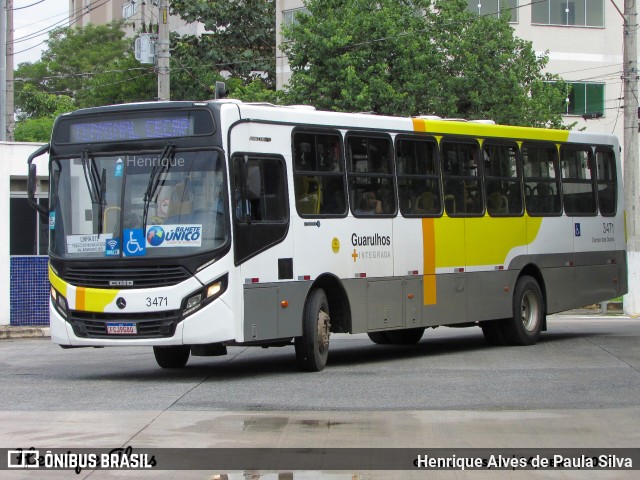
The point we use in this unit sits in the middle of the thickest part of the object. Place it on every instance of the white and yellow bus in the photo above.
(190, 227)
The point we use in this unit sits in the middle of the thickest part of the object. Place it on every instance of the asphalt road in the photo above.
(578, 387)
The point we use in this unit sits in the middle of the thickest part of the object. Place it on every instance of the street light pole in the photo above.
(3, 70)
(631, 184)
(164, 90)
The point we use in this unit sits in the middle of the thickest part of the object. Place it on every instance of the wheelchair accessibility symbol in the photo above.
(134, 243)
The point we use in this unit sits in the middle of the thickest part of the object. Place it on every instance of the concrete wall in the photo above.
(13, 165)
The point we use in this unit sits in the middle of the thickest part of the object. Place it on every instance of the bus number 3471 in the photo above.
(157, 301)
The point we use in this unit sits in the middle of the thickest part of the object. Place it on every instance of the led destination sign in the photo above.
(140, 126)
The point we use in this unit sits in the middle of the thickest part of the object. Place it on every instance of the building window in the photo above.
(588, 13)
(584, 98)
(494, 8)
(29, 235)
(289, 17)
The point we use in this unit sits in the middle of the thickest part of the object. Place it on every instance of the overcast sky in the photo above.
(32, 23)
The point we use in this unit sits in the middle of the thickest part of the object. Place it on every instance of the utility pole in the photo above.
(10, 122)
(164, 92)
(3, 70)
(631, 169)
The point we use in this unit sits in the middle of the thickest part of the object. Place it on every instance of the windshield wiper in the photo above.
(97, 186)
(163, 165)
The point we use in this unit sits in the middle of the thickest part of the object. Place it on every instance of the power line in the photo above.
(27, 6)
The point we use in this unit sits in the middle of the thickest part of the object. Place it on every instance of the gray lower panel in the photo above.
(569, 281)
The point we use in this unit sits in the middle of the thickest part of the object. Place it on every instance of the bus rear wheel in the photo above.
(528, 313)
(172, 356)
(312, 348)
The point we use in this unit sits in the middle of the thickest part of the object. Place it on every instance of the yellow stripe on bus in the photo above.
(429, 256)
(488, 130)
(471, 242)
(57, 283)
(93, 299)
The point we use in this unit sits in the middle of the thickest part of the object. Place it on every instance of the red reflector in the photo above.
(361, 275)
(304, 277)
(251, 280)
(413, 272)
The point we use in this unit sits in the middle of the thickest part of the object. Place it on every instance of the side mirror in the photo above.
(32, 181)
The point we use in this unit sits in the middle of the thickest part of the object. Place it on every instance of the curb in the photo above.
(9, 332)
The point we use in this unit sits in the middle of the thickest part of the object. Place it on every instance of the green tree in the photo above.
(412, 57)
(240, 36)
(43, 107)
(82, 67)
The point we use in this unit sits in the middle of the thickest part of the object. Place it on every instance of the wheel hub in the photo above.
(324, 330)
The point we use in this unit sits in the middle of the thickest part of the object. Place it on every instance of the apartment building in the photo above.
(135, 12)
(583, 39)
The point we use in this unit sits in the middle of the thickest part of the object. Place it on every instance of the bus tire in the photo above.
(379, 338)
(410, 336)
(528, 313)
(493, 332)
(312, 348)
(175, 356)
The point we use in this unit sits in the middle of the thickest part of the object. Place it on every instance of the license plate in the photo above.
(122, 329)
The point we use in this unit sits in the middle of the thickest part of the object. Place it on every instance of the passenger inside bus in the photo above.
(369, 204)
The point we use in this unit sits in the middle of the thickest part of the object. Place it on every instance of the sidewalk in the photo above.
(10, 331)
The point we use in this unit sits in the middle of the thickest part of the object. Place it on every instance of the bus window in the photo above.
(503, 189)
(370, 167)
(607, 191)
(462, 192)
(418, 177)
(318, 174)
(259, 190)
(578, 187)
(541, 181)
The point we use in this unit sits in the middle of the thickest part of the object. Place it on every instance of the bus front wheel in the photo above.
(528, 313)
(173, 356)
(312, 348)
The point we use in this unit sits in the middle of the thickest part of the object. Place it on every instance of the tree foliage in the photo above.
(240, 36)
(413, 57)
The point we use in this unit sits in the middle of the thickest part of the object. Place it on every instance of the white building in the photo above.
(135, 12)
(583, 38)
(23, 260)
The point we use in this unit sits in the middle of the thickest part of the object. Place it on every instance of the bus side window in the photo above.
(418, 177)
(462, 193)
(318, 181)
(607, 191)
(371, 175)
(502, 179)
(578, 180)
(259, 190)
(541, 178)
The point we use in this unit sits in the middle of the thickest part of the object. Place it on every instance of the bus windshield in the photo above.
(168, 203)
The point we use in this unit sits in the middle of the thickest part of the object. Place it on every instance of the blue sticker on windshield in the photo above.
(119, 168)
(52, 220)
(134, 243)
(112, 248)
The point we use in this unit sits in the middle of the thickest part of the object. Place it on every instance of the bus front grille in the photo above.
(126, 278)
(148, 325)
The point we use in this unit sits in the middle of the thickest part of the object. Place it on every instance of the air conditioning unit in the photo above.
(145, 48)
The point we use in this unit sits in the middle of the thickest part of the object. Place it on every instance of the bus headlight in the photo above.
(205, 295)
(59, 302)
